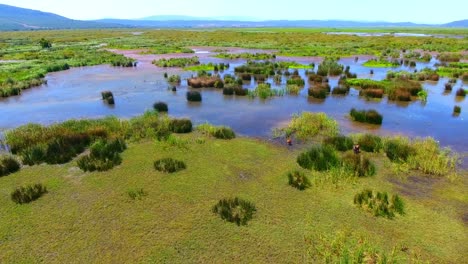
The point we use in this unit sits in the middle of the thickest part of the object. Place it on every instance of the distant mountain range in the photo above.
(15, 18)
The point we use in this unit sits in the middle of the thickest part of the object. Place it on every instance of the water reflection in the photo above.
(76, 94)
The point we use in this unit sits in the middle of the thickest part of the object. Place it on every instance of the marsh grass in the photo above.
(369, 142)
(169, 165)
(220, 132)
(366, 116)
(136, 194)
(177, 62)
(104, 155)
(235, 210)
(27, 194)
(194, 96)
(340, 142)
(398, 149)
(319, 158)
(181, 126)
(308, 125)
(160, 107)
(8, 165)
(298, 180)
(380, 204)
(346, 246)
(428, 157)
(359, 164)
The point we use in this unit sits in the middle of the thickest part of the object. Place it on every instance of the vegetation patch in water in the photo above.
(177, 62)
(374, 63)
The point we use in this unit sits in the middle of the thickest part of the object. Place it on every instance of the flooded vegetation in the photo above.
(180, 149)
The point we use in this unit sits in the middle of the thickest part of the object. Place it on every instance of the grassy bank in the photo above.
(91, 217)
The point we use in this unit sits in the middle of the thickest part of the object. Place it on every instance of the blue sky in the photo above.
(422, 11)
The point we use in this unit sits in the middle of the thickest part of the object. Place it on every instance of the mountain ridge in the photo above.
(16, 18)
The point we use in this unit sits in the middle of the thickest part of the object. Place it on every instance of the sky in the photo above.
(419, 11)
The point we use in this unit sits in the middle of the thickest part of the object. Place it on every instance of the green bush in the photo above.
(8, 165)
(461, 92)
(174, 79)
(379, 203)
(235, 210)
(398, 149)
(369, 116)
(308, 125)
(221, 132)
(359, 164)
(340, 90)
(136, 194)
(106, 94)
(298, 180)
(104, 155)
(181, 126)
(34, 155)
(169, 165)
(340, 142)
(319, 158)
(160, 107)
(194, 96)
(224, 133)
(370, 143)
(28, 193)
(457, 109)
(318, 93)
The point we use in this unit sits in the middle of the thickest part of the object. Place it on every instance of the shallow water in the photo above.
(76, 94)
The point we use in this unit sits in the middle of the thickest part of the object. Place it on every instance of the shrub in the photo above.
(398, 149)
(194, 96)
(298, 180)
(228, 91)
(318, 93)
(296, 80)
(360, 165)
(235, 210)
(8, 165)
(174, 79)
(319, 158)
(293, 89)
(239, 91)
(340, 142)
(330, 67)
(106, 94)
(372, 93)
(224, 133)
(370, 143)
(104, 155)
(220, 132)
(135, 194)
(160, 107)
(181, 126)
(379, 203)
(340, 90)
(34, 155)
(206, 82)
(369, 116)
(448, 87)
(457, 109)
(307, 125)
(28, 193)
(169, 165)
(461, 92)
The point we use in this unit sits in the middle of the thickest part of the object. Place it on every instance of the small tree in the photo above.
(45, 44)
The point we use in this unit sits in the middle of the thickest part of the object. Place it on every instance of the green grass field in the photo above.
(89, 217)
